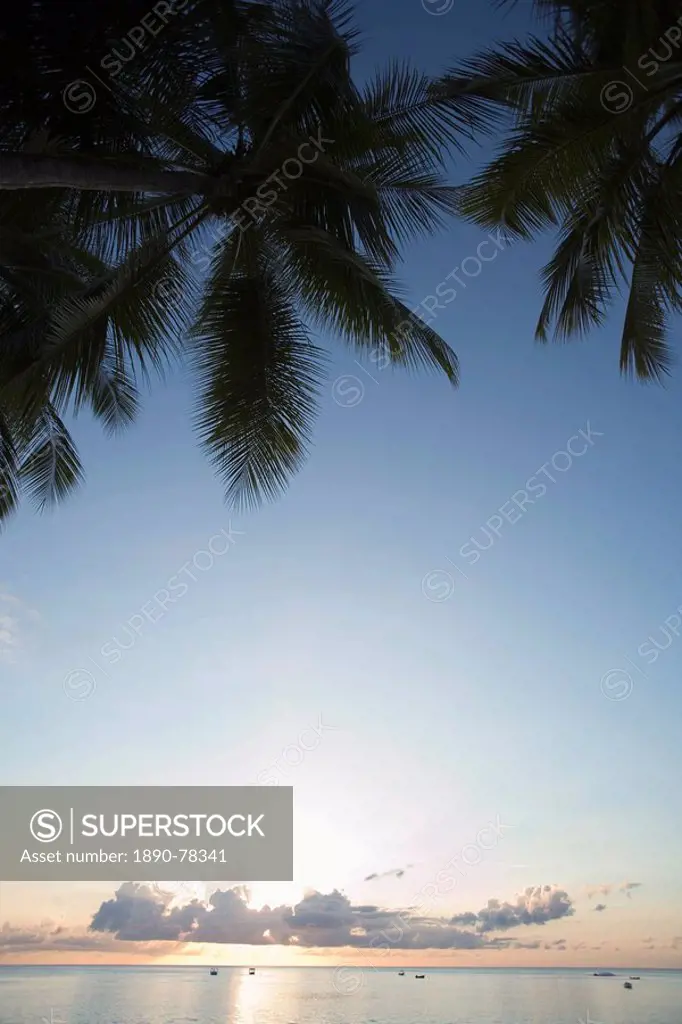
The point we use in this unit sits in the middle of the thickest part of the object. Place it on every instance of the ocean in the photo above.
(293, 995)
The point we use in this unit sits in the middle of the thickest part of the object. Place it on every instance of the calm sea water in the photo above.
(180, 995)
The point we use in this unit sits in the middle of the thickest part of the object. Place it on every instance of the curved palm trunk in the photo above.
(35, 170)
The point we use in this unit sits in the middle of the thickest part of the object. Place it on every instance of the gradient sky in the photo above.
(447, 700)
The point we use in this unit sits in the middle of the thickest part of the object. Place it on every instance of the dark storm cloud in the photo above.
(319, 920)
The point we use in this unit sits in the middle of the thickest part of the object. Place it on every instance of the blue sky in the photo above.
(439, 714)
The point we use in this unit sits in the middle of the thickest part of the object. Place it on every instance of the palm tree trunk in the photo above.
(36, 170)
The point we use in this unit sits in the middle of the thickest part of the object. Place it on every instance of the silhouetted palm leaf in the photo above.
(607, 178)
(131, 263)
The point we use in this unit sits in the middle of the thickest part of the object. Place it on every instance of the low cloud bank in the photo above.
(140, 914)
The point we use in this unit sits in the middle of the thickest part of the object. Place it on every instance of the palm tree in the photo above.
(593, 150)
(223, 205)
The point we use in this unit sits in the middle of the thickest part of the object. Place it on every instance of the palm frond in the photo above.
(9, 469)
(106, 278)
(344, 292)
(412, 113)
(51, 468)
(258, 372)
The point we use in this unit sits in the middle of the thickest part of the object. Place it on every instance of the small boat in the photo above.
(214, 970)
(627, 985)
(401, 973)
(252, 970)
(420, 975)
(634, 977)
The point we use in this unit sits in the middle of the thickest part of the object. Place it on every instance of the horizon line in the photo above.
(333, 967)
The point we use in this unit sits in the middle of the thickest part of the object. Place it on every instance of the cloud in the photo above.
(535, 905)
(397, 872)
(600, 906)
(318, 920)
(608, 887)
(468, 919)
(49, 937)
(8, 636)
(139, 913)
(14, 615)
(9, 631)
(602, 890)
